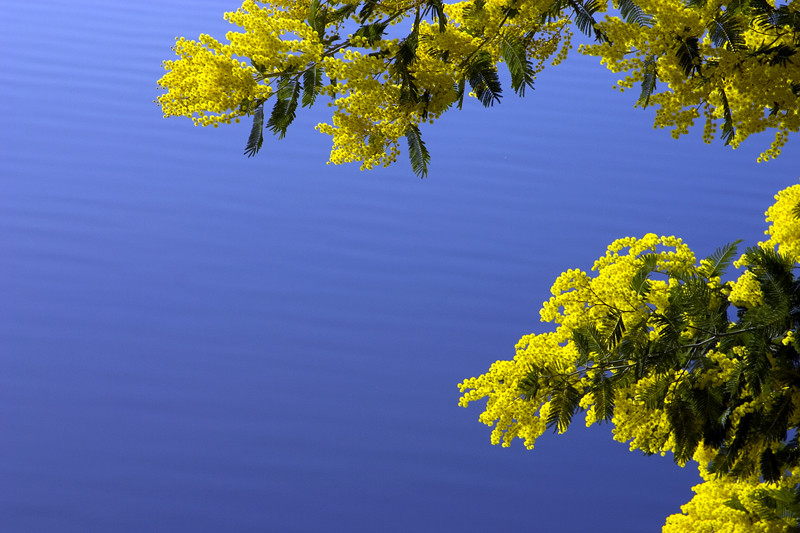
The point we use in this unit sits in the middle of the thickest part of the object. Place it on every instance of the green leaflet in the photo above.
(312, 81)
(417, 152)
(727, 30)
(640, 284)
(591, 344)
(284, 110)
(774, 55)
(615, 337)
(372, 32)
(584, 17)
(403, 59)
(648, 80)
(770, 467)
(633, 14)
(688, 54)
(514, 54)
(343, 12)
(529, 385)
(436, 9)
(256, 138)
(777, 503)
(483, 79)
(654, 392)
(604, 393)
(684, 428)
(718, 262)
(316, 18)
(728, 131)
(367, 10)
(460, 88)
(474, 11)
(564, 402)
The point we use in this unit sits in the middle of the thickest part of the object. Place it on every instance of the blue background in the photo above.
(191, 340)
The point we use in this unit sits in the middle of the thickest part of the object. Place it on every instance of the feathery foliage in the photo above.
(677, 360)
(516, 59)
(482, 76)
(256, 138)
(417, 151)
(723, 58)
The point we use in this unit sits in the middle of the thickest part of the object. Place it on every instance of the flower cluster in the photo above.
(380, 86)
(580, 300)
(746, 292)
(712, 60)
(207, 83)
(613, 326)
(784, 232)
(722, 504)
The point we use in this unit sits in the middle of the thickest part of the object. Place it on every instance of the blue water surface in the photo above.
(191, 340)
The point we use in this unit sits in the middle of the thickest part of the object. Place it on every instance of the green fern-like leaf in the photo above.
(654, 392)
(684, 428)
(343, 12)
(707, 404)
(773, 55)
(367, 9)
(687, 51)
(727, 119)
(372, 32)
(727, 30)
(521, 69)
(776, 504)
(401, 67)
(649, 78)
(436, 9)
(483, 79)
(256, 138)
(584, 11)
(715, 264)
(529, 385)
(284, 110)
(564, 402)
(312, 81)
(640, 284)
(316, 18)
(617, 331)
(776, 421)
(417, 152)
(590, 341)
(460, 90)
(604, 393)
(633, 14)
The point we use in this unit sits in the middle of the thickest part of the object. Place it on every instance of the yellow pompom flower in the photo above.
(746, 292)
(784, 232)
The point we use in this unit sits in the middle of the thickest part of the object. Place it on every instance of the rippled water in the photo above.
(194, 341)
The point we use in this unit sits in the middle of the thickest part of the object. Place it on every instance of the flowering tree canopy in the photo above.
(650, 344)
(389, 66)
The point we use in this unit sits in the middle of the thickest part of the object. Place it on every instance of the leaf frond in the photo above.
(649, 78)
(514, 54)
(687, 50)
(715, 264)
(417, 152)
(256, 138)
(728, 131)
(633, 14)
(482, 76)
